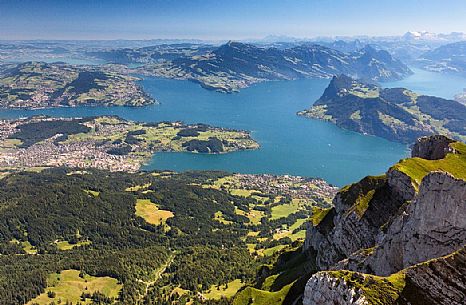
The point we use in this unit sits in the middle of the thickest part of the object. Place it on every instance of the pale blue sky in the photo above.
(215, 19)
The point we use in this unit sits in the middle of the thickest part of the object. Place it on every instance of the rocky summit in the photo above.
(398, 238)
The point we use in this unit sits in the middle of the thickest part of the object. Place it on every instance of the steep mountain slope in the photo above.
(400, 235)
(447, 58)
(236, 65)
(437, 281)
(396, 114)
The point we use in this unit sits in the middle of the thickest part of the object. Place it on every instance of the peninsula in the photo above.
(396, 114)
(107, 142)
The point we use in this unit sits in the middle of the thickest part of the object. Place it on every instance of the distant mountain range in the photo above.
(407, 47)
(406, 51)
(425, 35)
(461, 97)
(408, 36)
(236, 65)
(150, 54)
(396, 114)
(447, 58)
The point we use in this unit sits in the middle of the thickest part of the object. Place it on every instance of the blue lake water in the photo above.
(289, 144)
(431, 83)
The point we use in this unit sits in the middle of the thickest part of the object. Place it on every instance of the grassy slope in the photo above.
(151, 213)
(65, 245)
(285, 210)
(376, 289)
(223, 291)
(68, 286)
(418, 168)
(255, 296)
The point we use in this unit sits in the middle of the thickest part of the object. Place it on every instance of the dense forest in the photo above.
(60, 219)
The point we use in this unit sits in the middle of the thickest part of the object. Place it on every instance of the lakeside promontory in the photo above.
(396, 114)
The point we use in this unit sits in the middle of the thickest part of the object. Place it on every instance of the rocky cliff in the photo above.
(391, 231)
(438, 281)
(432, 148)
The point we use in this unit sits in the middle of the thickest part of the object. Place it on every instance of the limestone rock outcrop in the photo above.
(432, 148)
(322, 288)
(439, 281)
(359, 212)
(407, 223)
(433, 225)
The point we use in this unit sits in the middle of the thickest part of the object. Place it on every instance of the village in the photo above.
(291, 186)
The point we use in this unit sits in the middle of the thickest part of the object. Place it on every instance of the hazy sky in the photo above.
(216, 19)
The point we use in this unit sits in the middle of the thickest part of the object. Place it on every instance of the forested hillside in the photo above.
(141, 238)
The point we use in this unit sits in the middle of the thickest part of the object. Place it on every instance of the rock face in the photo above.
(433, 225)
(382, 226)
(360, 210)
(324, 289)
(432, 148)
(440, 281)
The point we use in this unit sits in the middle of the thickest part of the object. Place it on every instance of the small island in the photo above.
(396, 114)
(44, 85)
(107, 142)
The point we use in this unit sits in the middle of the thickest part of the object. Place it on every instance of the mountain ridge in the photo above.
(236, 65)
(449, 58)
(396, 114)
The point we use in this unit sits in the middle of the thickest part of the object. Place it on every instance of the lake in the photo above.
(289, 144)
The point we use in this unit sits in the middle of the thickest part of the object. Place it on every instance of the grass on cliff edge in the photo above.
(318, 214)
(453, 163)
(377, 290)
(362, 203)
(253, 296)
